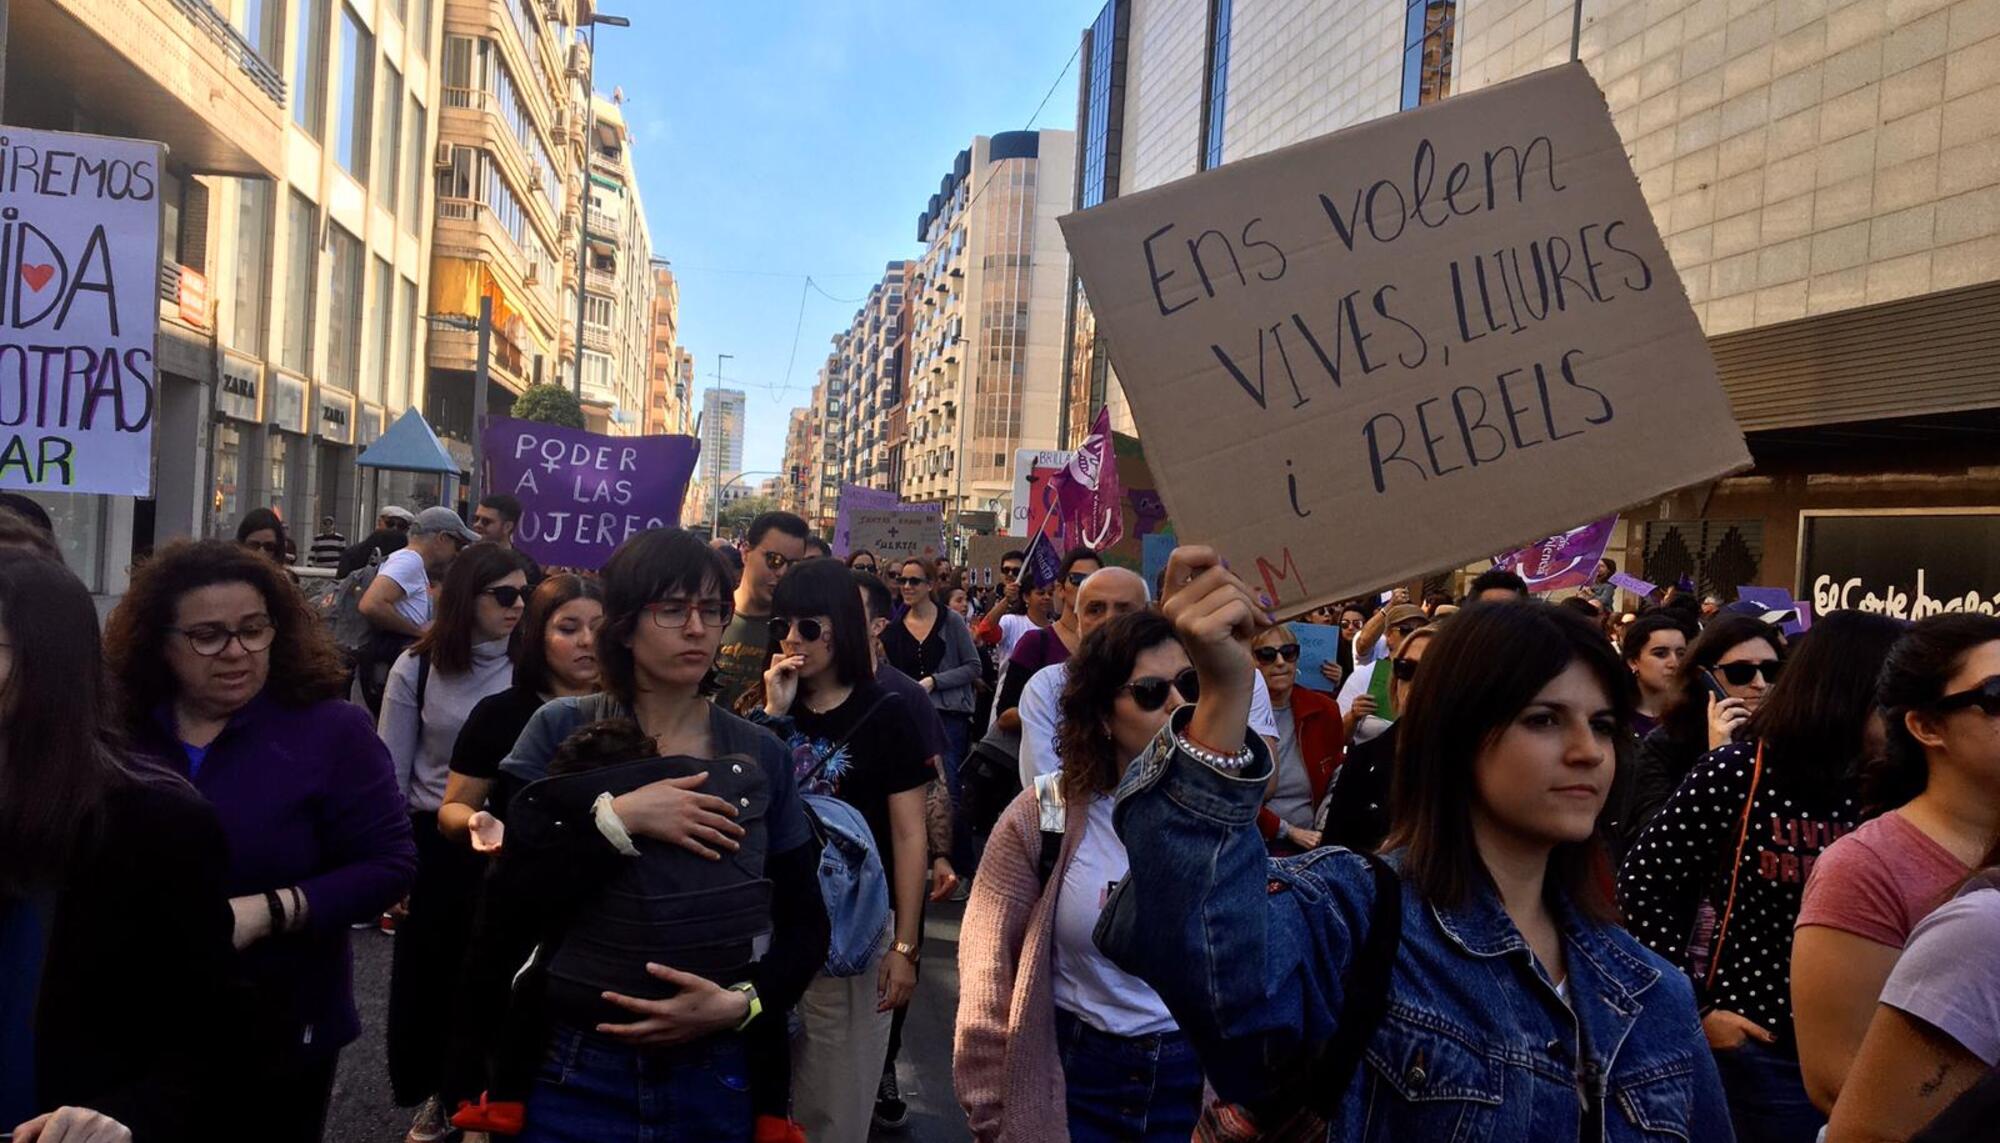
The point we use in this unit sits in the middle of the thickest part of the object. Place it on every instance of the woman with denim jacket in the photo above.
(1517, 1009)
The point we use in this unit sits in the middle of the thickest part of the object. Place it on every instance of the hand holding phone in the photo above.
(1725, 714)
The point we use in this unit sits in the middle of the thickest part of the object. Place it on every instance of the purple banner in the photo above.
(1778, 599)
(856, 498)
(1566, 559)
(1086, 491)
(1634, 584)
(583, 493)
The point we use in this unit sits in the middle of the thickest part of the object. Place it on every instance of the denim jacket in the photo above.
(1476, 1044)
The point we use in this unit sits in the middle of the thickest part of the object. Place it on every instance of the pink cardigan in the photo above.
(1005, 1063)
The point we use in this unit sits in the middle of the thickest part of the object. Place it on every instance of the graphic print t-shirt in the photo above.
(740, 662)
(862, 753)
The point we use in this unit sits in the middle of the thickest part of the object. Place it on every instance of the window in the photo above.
(343, 318)
(1427, 32)
(357, 77)
(420, 161)
(596, 372)
(263, 25)
(597, 311)
(398, 393)
(380, 317)
(423, 25)
(389, 139)
(253, 264)
(1215, 84)
(309, 67)
(301, 266)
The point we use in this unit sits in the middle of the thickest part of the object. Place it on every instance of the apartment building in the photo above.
(798, 461)
(1826, 176)
(721, 434)
(296, 225)
(829, 443)
(871, 360)
(986, 322)
(617, 281)
(666, 391)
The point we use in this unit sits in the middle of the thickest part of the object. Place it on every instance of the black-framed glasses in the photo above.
(672, 613)
(268, 547)
(809, 630)
(1150, 694)
(506, 594)
(1009, 571)
(777, 561)
(1740, 674)
(1268, 655)
(211, 639)
(1985, 696)
(861, 567)
(1405, 669)
(912, 580)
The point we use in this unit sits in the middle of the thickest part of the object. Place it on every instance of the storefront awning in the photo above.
(409, 446)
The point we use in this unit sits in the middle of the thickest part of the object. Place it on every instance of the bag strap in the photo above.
(1366, 994)
(1735, 868)
(423, 687)
(1052, 814)
(826, 754)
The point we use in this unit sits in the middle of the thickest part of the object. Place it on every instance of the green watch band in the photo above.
(756, 1003)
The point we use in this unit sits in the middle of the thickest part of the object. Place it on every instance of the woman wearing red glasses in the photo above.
(1309, 747)
(1054, 1042)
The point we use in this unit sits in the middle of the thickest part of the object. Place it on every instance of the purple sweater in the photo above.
(306, 797)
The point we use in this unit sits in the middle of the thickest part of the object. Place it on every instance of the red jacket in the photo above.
(1316, 720)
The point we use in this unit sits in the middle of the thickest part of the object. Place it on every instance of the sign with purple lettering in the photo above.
(855, 498)
(1566, 559)
(79, 311)
(583, 493)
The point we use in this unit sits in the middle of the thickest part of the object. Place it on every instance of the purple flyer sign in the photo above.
(857, 498)
(1634, 584)
(583, 493)
(1566, 559)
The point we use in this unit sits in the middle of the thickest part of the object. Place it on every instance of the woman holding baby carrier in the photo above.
(661, 871)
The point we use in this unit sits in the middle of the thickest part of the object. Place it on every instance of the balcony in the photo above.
(601, 281)
(607, 226)
(597, 338)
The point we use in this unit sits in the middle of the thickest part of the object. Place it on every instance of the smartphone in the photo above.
(1714, 688)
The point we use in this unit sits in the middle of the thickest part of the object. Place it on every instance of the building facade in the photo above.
(618, 282)
(721, 447)
(296, 226)
(829, 445)
(1826, 177)
(871, 360)
(666, 393)
(986, 324)
(791, 494)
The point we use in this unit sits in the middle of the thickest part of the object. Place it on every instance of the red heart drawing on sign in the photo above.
(36, 276)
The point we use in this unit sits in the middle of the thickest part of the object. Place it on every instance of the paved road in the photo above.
(364, 1113)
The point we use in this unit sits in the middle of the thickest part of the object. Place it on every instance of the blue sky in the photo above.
(778, 140)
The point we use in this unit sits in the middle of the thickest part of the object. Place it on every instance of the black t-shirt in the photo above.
(491, 730)
(917, 699)
(863, 752)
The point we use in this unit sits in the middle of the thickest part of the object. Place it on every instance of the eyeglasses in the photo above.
(267, 547)
(809, 630)
(1150, 694)
(912, 580)
(1076, 578)
(506, 594)
(1405, 669)
(1269, 655)
(777, 562)
(869, 568)
(1350, 625)
(672, 613)
(1740, 674)
(1406, 627)
(1009, 571)
(211, 639)
(1985, 696)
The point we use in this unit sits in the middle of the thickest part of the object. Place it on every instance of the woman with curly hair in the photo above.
(231, 680)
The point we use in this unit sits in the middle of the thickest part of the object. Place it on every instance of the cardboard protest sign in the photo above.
(983, 555)
(583, 493)
(1158, 548)
(79, 311)
(1406, 345)
(1566, 559)
(852, 498)
(1318, 646)
(897, 533)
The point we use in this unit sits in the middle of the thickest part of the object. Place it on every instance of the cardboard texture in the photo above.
(896, 532)
(982, 556)
(1407, 345)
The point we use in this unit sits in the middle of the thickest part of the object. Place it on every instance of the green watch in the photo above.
(756, 1003)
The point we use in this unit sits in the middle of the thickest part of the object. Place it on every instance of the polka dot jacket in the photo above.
(1686, 855)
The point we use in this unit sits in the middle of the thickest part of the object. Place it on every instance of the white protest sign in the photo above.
(79, 311)
(1408, 344)
(1032, 469)
(896, 532)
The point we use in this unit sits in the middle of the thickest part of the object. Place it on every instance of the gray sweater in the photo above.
(420, 745)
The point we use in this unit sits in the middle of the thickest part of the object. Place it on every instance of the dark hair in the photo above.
(1076, 556)
(531, 653)
(822, 587)
(305, 665)
(930, 567)
(819, 547)
(784, 522)
(19, 532)
(1097, 672)
(1685, 605)
(1013, 554)
(506, 504)
(605, 742)
(30, 510)
(1436, 598)
(1583, 605)
(1686, 717)
(1481, 671)
(732, 562)
(881, 605)
(1814, 717)
(1913, 678)
(454, 619)
(648, 567)
(60, 751)
(1497, 579)
(1633, 643)
(261, 520)
(858, 553)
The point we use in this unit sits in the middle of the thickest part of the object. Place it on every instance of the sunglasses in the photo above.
(1405, 669)
(810, 630)
(1150, 694)
(264, 546)
(1406, 628)
(1269, 655)
(912, 580)
(869, 568)
(1350, 624)
(1076, 578)
(1985, 696)
(506, 595)
(1010, 571)
(1740, 674)
(777, 562)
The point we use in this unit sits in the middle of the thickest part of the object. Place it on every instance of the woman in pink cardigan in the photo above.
(1054, 1042)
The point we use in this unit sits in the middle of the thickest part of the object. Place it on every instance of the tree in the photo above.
(549, 404)
(737, 514)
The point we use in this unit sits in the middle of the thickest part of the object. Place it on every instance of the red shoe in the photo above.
(502, 1117)
(775, 1129)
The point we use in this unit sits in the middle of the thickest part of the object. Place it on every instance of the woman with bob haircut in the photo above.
(1471, 984)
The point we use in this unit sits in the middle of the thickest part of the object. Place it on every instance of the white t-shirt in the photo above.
(1012, 627)
(1087, 984)
(406, 568)
(1357, 684)
(1041, 703)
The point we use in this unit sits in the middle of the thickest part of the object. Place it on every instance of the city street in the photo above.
(364, 1113)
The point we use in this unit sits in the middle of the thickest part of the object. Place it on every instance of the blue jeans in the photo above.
(1767, 1095)
(957, 740)
(1124, 1089)
(591, 1090)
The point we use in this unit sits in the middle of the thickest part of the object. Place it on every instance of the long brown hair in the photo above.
(305, 666)
(531, 655)
(455, 621)
(1097, 672)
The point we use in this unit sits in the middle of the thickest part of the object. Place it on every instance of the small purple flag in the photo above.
(1566, 559)
(1086, 491)
(1043, 563)
(583, 493)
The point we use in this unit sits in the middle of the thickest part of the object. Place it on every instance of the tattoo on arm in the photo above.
(1930, 1086)
(937, 818)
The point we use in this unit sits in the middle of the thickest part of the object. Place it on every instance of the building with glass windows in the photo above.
(666, 395)
(870, 360)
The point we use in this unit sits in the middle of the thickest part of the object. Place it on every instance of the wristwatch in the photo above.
(756, 1003)
(907, 949)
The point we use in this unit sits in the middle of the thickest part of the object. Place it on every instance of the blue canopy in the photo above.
(409, 446)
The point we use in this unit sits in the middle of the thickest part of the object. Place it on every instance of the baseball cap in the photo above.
(441, 520)
(1757, 611)
(1404, 612)
(394, 513)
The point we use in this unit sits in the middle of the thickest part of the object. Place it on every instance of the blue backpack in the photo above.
(851, 877)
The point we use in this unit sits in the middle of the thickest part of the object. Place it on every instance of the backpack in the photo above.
(350, 628)
(852, 880)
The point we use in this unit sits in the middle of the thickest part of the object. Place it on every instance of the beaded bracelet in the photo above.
(1227, 763)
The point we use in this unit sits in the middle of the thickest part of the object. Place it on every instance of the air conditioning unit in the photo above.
(445, 154)
(562, 127)
(577, 66)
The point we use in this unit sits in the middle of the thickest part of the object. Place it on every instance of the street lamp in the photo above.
(483, 326)
(715, 516)
(583, 218)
